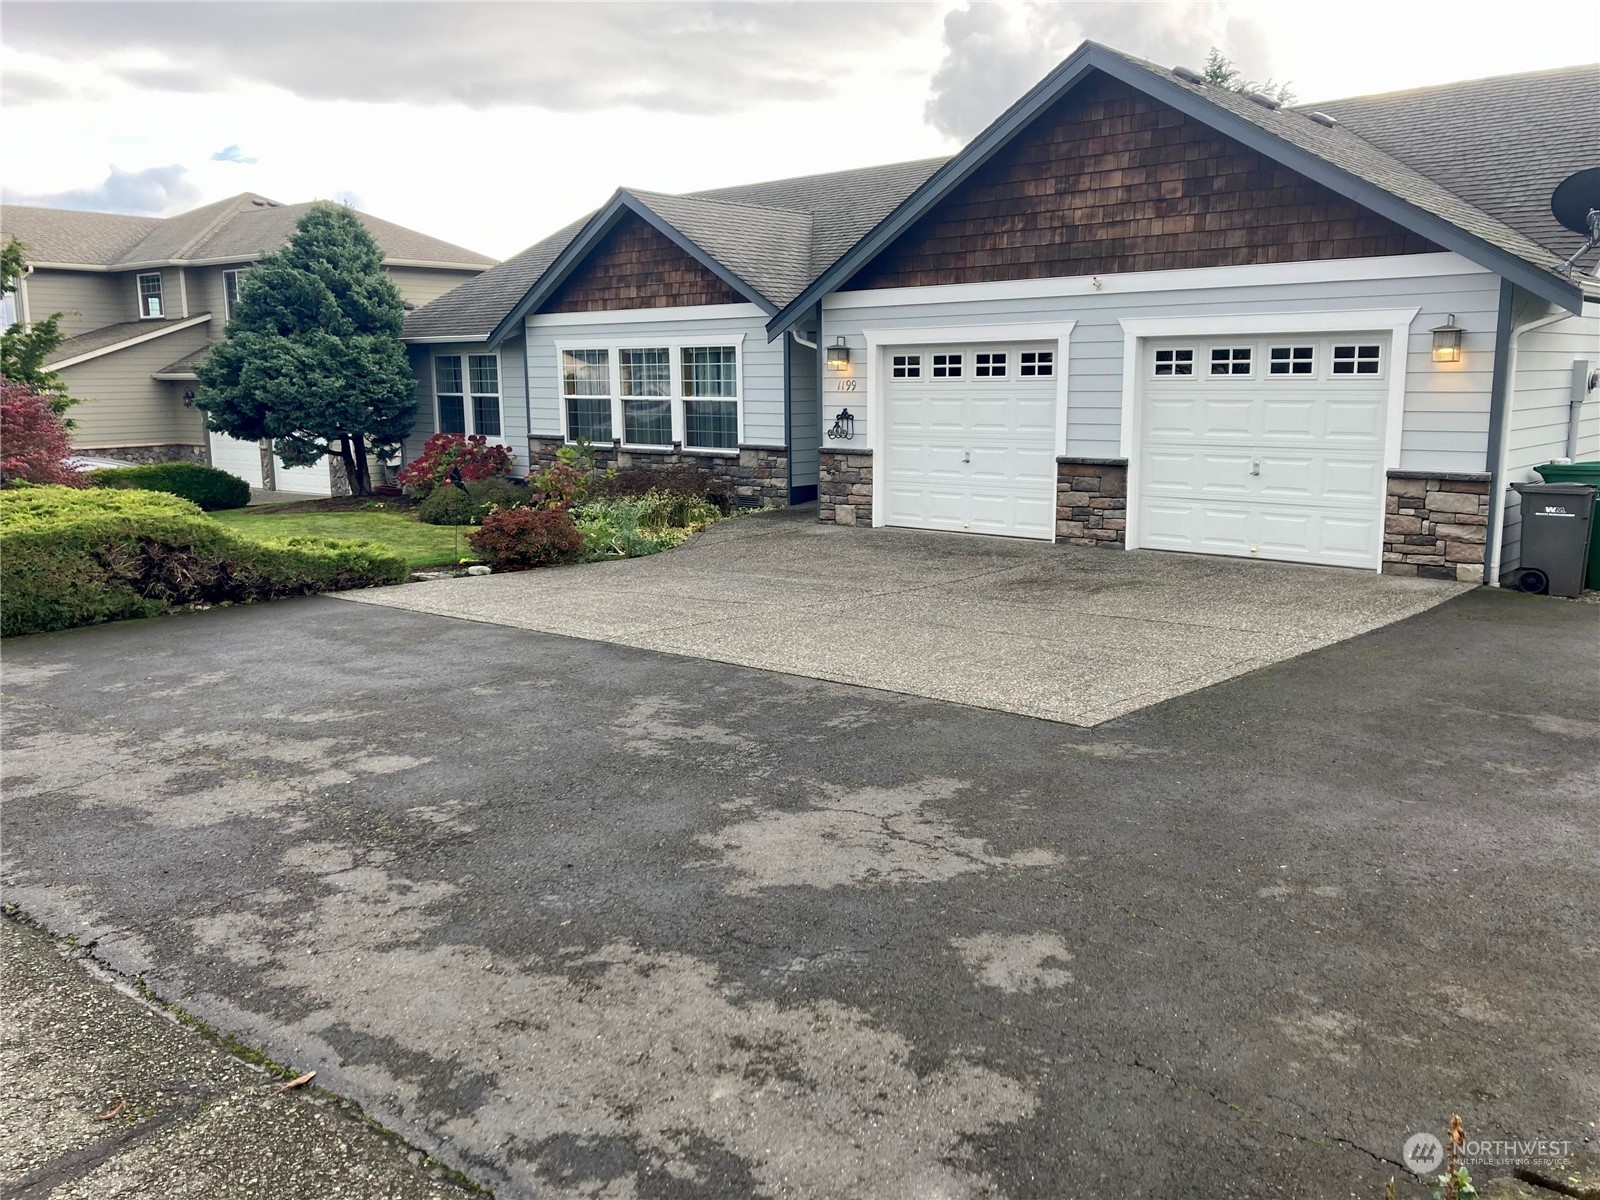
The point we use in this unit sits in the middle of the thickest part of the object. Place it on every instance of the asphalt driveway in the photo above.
(1064, 633)
(588, 920)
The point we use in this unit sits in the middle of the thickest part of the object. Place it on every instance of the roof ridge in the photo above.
(735, 187)
(229, 211)
(717, 200)
(1439, 87)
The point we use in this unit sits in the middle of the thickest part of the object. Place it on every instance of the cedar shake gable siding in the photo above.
(1108, 180)
(636, 266)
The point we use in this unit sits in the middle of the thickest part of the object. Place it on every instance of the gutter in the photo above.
(1501, 406)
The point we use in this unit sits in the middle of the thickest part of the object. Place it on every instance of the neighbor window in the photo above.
(906, 366)
(989, 366)
(1357, 360)
(230, 291)
(646, 396)
(947, 366)
(1174, 362)
(1230, 360)
(469, 400)
(710, 397)
(149, 295)
(586, 391)
(1292, 360)
(1037, 363)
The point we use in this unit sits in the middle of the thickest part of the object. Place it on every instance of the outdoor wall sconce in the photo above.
(844, 426)
(188, 398)
(838, 355)
(1447, 341)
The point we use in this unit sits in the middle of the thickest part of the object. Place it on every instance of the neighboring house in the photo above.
(145, 297)
(1136, 311)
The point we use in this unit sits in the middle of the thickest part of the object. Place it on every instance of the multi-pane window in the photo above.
(1230, 360)
(469, 401)
(1357, 359)
(989, 365)
(906, 366)
(710, 397)
(231, 280)
(150, 295)
(1174, 362)
(646, 396)
(483, 378)
(1036, 363)
(586, 391)
(1292, 360)
(947, 366)
(449, 393)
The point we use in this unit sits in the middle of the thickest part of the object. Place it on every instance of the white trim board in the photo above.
(1399, 266)
(879, 340)
(1395, 322)
(630, 316)
(146, 336)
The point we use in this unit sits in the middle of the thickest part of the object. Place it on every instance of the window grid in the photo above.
(906, 366)
(646, 372)
(586, 391)
(1230, 360)
(711, 424)
(1174, 362)
(1292, 360)
(989, 365)
(1038, 363)
(947, 366)
(710, 371)
(149, 295)
(1357, 359)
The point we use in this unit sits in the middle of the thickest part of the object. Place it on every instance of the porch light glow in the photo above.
(838, 355)
(1447, 341)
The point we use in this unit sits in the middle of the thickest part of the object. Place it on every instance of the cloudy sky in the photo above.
(490, 125)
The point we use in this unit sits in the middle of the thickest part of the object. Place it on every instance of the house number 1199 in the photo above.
(844, 385)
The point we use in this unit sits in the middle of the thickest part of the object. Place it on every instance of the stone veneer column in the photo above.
(1092, 501)
(1436, 524)
(844, 486)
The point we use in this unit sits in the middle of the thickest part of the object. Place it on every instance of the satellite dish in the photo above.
(1574, 198)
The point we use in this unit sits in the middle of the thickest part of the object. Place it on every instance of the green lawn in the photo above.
(422, 545)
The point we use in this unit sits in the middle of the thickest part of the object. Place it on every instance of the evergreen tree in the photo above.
(313, 358)
(23, 349)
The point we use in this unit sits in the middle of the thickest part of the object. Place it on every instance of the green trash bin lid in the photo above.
(1573, 472)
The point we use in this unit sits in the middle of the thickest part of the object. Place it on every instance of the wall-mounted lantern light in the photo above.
(844, 426)
(838, 355)
(188, 398)
(1447, 341)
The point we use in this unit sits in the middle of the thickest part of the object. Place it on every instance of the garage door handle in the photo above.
(966, 456)
(1255, 466)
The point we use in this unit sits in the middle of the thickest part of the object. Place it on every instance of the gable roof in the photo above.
(1335, 157)
(767, 240)
(239, 228)
(114, 337)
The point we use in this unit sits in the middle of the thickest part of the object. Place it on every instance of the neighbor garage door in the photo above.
(238, 457)
(969, 438)
(1264, 447)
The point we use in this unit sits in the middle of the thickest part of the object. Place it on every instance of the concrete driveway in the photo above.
(584, 920)
(1065, 633)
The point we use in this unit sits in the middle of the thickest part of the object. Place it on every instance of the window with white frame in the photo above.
(989, 365)
(906, 366)
(1036, 363)
(1230, 360)
(646, 377)
(947, 366)
(1292, 360)
(586, 392)
(1174, 362)
(150, 295)
(1357, 359)
(467, 395)
(711, 397)
(231, 280)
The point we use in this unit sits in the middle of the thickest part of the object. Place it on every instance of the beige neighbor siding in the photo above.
(123, 406)
(421, 284)
(206, 296)
(89, 299)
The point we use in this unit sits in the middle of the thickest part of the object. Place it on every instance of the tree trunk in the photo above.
(363, 466)
(349, 461)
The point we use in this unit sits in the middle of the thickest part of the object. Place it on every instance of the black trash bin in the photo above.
(1557, 520)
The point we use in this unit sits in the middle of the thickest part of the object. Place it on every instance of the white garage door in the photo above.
(969, 438)
(313, 480)
(237, 457)
(1265, 447)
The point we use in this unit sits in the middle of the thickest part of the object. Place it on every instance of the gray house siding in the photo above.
(1446, 413)
(87, 300)
(805, 420)
(123, 407)
(513, 397)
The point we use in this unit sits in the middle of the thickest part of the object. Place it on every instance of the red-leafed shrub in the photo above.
(33, 441)
(446, 452)
(515, 538)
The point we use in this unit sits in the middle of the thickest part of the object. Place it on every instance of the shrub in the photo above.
(447, 452)
(631, 526)
(491, 495)
(71, 558)
(448, 506)
(681, 479)
(206, 486)
(34, 442)
(528, 537)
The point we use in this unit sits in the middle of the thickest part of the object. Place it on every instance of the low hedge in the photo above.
(70, 558)
(206, 486)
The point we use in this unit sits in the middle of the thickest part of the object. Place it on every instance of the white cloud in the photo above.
(154, 191)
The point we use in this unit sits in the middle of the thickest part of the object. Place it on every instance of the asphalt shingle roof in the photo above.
(112, 335)
(186, 364)
(60, 235)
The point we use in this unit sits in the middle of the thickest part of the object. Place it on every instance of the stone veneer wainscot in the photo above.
(1436, 525)
(844, 486)
(1092, 501)
(146, 454)
(757, 475)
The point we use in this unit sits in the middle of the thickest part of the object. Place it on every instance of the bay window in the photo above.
(469, 397)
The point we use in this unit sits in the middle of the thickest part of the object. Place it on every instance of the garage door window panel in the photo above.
(1357, 359)
(646, 396)
(947, 366)
(1174, 362)
(586, 392)
(989, 366)
(1292, 360)
(906, 366)
(1039, 364)
(1231, 362)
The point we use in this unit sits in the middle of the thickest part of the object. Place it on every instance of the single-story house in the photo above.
(1138, 310)
(144, 298)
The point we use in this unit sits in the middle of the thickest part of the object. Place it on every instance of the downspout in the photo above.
(183, 293)
(23, 312)
(795, 334)
(1501, 404)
